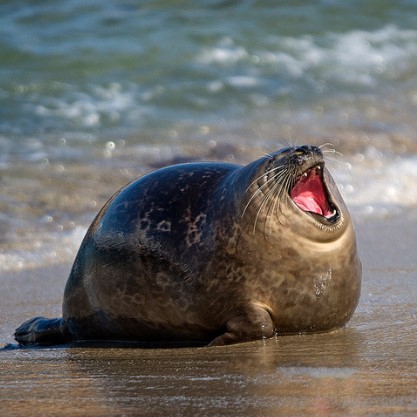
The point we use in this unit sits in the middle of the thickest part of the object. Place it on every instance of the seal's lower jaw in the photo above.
(310, 195)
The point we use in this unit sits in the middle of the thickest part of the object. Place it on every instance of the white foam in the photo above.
(45, 251)
(355, 57)
(226, 52)
(89, 108)
(360, 57)
(376, 184)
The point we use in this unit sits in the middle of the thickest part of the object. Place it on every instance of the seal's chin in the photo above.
(310, 195)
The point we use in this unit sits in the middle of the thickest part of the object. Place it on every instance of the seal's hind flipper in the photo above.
(42, 332)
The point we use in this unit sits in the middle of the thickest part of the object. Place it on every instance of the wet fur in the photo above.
(208, 251)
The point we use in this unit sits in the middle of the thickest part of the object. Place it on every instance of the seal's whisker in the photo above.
(261, 187)
(287, 184)
(260, 206)
(332, 152)
(265, 174)
(256, 180)
(256, 193)
(329, 148)
(280, 190)
(332, 159)
(286, 142)
(269, 154)
(276, 191)
(326, 144)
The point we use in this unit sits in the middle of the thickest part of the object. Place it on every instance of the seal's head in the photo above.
(295, 182)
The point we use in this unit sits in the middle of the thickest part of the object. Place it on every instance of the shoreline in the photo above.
(367, 368)
(39, 291)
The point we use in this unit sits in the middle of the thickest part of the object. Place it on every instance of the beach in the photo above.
(93, 95)
(367, 368)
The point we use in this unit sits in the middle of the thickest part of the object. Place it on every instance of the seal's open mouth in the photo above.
(310, 195)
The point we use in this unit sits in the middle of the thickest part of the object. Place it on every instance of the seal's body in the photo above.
(213, 253)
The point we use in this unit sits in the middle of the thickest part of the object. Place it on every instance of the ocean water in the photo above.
(93, 94)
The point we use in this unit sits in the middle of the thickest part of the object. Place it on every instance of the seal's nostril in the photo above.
(308, 149)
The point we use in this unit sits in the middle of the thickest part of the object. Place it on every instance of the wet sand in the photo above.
(368, 368)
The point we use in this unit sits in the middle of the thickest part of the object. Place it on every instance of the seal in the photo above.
(213, 253)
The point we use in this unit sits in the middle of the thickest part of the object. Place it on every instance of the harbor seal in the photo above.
(213, 253)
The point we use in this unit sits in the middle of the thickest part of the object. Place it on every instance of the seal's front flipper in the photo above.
(252, 322)
(42, 332)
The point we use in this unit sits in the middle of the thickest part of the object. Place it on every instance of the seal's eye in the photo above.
(310, 195)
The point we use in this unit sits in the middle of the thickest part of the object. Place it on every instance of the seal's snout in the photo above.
(307, 154)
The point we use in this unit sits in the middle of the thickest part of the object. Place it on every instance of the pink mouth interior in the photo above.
(309, 194)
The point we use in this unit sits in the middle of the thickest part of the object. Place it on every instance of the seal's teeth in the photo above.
(331, 215)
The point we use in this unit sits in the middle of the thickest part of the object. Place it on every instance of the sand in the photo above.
(368, 368)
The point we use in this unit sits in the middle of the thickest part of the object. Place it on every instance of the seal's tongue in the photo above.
(309, 194)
